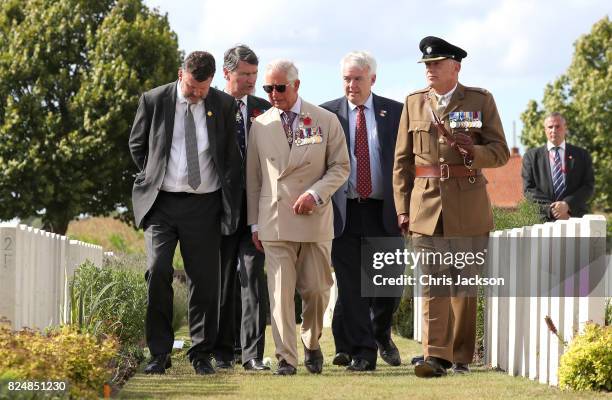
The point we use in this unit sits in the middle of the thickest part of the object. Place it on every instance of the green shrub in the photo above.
(110, 300)
(527, 213)
(180, 305)
(403, 319)
(587, 363)
(62, 354)
(609, 311)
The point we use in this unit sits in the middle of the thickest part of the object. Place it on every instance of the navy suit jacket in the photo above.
(388, 113)
(579, 180)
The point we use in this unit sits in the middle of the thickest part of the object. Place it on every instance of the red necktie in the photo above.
(362, 153)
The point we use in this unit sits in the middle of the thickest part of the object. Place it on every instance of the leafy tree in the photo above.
(71, 72)
(584, 96)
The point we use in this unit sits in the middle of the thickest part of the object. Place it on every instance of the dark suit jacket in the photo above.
(579, 181)
(151, 140)
(388, 113)
(255, 107)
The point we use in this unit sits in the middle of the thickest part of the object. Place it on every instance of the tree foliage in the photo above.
(71, 72)
(584, 96)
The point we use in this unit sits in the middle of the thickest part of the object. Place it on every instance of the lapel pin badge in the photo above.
(382, 113)
(209, 113)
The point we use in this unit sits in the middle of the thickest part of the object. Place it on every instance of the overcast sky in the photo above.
(514, 47)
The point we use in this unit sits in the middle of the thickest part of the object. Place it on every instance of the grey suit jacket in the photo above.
(151, 140)
(388, 113)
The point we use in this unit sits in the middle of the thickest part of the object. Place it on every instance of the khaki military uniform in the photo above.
(454, 207)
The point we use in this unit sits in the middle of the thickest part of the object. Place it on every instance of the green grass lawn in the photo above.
(386, 382)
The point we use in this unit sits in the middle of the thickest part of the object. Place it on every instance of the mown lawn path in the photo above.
(386, 382)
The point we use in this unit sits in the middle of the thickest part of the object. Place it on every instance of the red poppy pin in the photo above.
(256, 112)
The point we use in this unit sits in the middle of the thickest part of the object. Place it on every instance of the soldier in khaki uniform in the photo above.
(440, 193)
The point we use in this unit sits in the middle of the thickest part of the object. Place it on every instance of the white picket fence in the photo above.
(517, 339)
(35, 267)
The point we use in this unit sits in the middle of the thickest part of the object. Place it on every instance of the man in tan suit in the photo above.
(297, 159)
(441, 198)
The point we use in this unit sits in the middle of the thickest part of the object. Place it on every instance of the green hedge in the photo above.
(587, 363)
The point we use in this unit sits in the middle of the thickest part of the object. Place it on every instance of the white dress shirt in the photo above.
(175, 179)
(373, 147)
(551, 156)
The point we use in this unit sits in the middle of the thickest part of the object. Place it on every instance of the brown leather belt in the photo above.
(445, 171)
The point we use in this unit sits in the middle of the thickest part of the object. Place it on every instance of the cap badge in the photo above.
(428, 49)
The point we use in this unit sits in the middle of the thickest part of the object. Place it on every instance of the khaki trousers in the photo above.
(449, 311)
(307, 268)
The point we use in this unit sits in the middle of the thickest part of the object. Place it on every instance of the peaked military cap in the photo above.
(435, 49)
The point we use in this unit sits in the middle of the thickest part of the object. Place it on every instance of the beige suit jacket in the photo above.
(465, 206)
(278, 175)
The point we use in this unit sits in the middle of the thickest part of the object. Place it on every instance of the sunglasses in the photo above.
(278, 88)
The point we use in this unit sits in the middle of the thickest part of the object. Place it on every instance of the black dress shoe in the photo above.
(285, 368)
(431, 367)
(158, 364)
(255, 365)
(461, 368)
(203, 366)
(223, 364)
(313, 360)
(416, 359)
(361, 365)
(342, 359)
(390, 354)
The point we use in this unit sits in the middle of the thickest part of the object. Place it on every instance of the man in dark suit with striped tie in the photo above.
(558, 176)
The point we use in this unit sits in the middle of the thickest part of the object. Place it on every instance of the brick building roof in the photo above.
(505, 183)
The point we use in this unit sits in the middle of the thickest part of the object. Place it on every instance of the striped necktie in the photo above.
(557, 176)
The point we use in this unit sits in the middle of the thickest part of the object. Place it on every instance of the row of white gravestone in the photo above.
(558, 270)
(35, 268)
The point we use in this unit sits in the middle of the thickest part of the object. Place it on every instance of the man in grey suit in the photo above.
(363, 207)
(187, 191)
(242, 323)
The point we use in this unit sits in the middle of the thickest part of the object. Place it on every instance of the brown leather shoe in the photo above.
(431, 367)
(313, 360)
(284, 368)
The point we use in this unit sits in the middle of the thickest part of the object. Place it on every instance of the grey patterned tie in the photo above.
(191, 148)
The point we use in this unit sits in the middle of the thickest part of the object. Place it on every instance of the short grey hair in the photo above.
(285, 66)
(240, 52)
(555, 114)
(360, 59)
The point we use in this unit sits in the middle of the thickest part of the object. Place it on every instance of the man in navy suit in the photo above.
(242, 331)
(363, 207)
(558, 176)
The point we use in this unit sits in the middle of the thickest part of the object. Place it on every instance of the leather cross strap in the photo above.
(445, 171)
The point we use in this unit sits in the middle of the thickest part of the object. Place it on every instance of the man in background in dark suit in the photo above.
(363, 207)
(242, 331)
(183, 143)
(558, 176)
